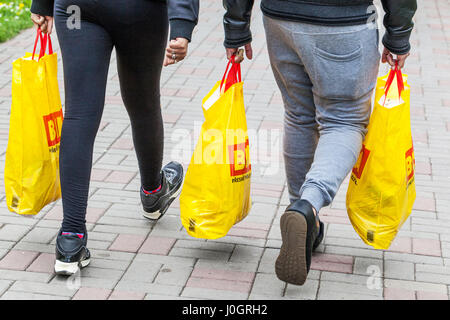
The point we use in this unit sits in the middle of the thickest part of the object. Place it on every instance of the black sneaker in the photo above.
(300, 237)
(71, 253)
(156, 204)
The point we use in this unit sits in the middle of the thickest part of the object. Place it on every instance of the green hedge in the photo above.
(14, 17)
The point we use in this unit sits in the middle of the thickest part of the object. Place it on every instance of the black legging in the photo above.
(138, 30)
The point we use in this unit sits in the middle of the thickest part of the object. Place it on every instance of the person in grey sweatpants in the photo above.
(325, 59)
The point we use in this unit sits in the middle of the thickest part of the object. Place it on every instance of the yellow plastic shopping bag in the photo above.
(32, 155)
(216, 191)
(381, 190)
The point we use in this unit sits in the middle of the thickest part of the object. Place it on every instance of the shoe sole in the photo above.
(290, 265)
(157, 214)
(69, 268)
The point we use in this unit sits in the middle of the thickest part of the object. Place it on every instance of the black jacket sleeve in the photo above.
(183, 17)
(236, 22)
(42, 7)
(398, 22)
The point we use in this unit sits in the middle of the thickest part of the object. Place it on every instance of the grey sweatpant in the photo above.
(326, 76)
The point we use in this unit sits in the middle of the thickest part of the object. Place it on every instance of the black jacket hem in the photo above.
(42, 7)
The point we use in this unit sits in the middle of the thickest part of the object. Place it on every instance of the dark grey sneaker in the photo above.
(156, 204)
(71, 253)
(300, 237)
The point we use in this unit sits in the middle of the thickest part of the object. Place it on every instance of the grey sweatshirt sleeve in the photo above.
(236, 22)
(183, 17)
(399, 24)
(42, 7)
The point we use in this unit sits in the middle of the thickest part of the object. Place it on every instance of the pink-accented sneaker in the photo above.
(71, 253)
(156, 204)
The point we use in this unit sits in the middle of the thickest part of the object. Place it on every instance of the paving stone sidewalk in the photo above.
(136, 259)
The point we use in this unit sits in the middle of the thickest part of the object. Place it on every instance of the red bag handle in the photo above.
(231, 76)
(44, 39)
(50, 46)
(392, 73)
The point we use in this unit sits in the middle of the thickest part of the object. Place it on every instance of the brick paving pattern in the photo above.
(133, 258)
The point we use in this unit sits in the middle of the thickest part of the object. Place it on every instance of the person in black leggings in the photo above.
(87, 31)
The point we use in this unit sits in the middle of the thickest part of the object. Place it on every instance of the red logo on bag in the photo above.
(239, 155)
(410, 163)
(52, 124)
(361, 162)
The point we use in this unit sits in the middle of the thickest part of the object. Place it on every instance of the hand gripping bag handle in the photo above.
(44, 39)
(231, 76)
